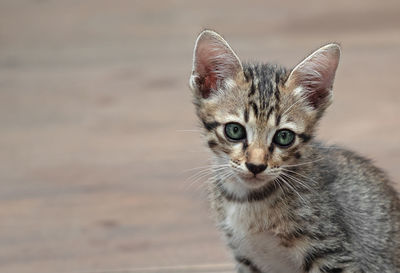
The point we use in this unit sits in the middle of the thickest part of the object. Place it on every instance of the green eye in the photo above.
(235, 131)
(284, 137)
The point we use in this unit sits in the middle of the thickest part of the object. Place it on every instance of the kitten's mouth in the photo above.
(256, 181)
(255, 178)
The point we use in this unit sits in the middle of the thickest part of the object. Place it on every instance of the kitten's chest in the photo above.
(250, 239)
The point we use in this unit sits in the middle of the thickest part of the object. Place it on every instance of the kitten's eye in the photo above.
(284, 137)
(235, 131)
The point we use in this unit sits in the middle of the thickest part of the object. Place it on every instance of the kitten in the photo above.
(285, 202)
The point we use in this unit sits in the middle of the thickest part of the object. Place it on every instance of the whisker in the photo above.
(282, 189)
(287, 183)
(200, 175)
(203, 173)
(304, 163)
(325, 147)
(225, 175)
(201, 178)
(188, 130)
(302, 175)
(299, 181)
(212, 168)
(204, 167)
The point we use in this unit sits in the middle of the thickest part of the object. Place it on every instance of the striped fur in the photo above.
(314, 208)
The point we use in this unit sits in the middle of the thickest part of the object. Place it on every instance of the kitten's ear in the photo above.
(313, 77)
(214, 64)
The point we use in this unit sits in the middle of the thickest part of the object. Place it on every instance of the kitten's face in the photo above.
(256, 133)
(258, 118)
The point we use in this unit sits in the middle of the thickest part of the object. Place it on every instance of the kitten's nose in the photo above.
(255, 168)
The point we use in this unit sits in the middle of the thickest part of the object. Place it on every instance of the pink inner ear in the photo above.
(317, 96)
(316, 74)
(214, 62)
(207, 84)
(206, 68)
(318, 81)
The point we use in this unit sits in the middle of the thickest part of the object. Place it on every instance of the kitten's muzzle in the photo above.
(255, 169)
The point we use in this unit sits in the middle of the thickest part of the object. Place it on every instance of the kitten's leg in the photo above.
(332, 257)
(244, 265)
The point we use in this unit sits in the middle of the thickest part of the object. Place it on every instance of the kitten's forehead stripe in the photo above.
(269, 113)
(278, 120)
(255, 108)
(264, 90)
(277, 94)
(246, 115)
(252, 89)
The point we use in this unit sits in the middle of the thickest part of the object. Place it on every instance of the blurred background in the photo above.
(99, 141)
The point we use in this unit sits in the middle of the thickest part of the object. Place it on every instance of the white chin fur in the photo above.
(242, 186)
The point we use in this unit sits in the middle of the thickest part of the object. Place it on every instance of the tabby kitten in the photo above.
(285, 202)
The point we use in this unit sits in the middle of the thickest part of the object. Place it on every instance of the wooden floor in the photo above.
(99, 142)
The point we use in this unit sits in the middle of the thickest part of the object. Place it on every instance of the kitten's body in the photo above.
(302, 207)
(333, 226)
